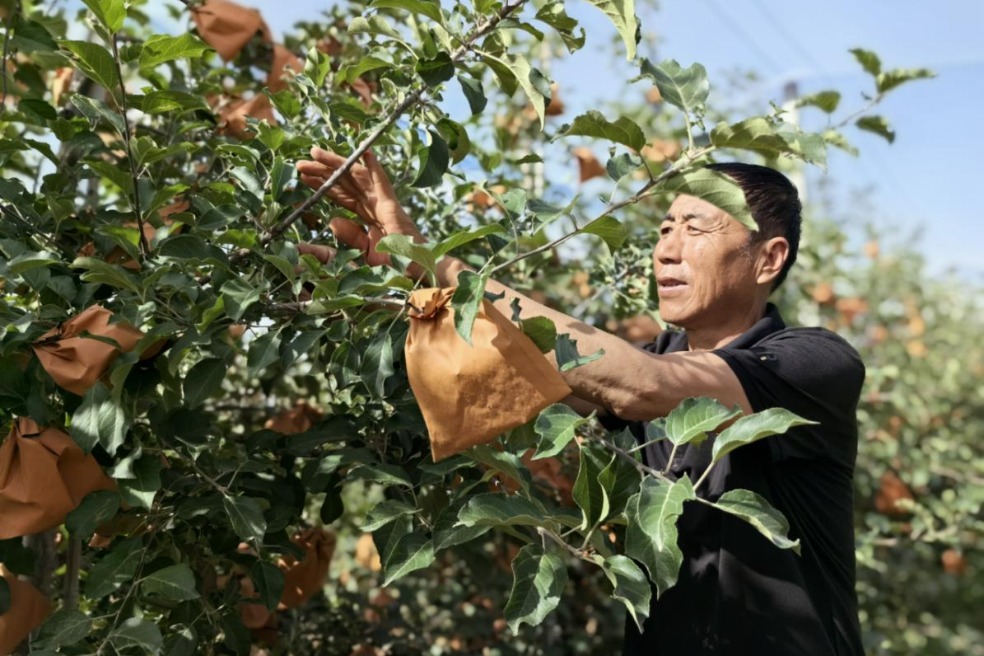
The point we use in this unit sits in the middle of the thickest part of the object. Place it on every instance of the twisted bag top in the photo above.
(471, 394)
(304, 579)
(76, 359)
(44, 475)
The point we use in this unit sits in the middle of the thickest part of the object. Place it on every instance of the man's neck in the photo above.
(717, 336)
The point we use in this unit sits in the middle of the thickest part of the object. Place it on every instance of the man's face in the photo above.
(703, 264)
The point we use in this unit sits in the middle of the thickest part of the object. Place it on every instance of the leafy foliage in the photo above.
(156, 185)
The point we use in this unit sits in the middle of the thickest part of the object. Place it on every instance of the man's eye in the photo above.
(665, 230)
(694, 230)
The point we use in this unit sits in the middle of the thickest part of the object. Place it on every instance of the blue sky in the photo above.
(922, 184)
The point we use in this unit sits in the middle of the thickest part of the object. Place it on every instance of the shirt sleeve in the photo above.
(813, 373)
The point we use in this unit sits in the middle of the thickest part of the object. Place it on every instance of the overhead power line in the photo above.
(733, 25)
(787, 36)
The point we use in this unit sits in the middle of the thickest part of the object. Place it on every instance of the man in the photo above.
(737, 593)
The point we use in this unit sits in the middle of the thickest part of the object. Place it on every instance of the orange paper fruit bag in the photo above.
(74, 359)
(302, 580)
(471, 394)
(44, 475)
(28, 609)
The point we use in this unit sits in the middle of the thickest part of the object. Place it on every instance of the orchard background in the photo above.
(261, 430)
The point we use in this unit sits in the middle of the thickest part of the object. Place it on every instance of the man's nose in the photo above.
(667, 249)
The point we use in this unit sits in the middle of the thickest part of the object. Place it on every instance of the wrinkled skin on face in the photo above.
(712, 279)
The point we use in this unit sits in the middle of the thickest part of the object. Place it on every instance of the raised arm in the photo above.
(627, 381)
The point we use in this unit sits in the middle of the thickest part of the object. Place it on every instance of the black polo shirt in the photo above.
(737, 593)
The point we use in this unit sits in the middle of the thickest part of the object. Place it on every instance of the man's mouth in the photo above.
(670, 283)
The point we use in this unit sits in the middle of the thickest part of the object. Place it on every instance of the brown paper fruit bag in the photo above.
(303, 580)
(470, 394)
(228, 27)
(44, 475)
(76, 360)
(28, 609)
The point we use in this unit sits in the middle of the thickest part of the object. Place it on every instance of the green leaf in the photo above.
(237, 296)
(511, 70)
(377, 364)
(502, 462)
(99, 420)
(622, 15)
(385, 512)
(755, 510)
(825, 100)
(263, 352)
(474, 94)
(632, 587)
(246, 517)
(96, 62)
(181, 641)
(374, 24)
(96, 508)
(557, 425)
(168, 101)
(553, 14)
(203, 381)
(685, 88)
(869, 60)
(610, 229)
(651, 534)
(437, 70)
(541, 331)
(269, 582)
(620, 479)
(96, 110)
(137, 633)
(432, 162)
(624, 131)
(567, 354)
(539, 579)
(176, 583)
(111, 13)
(622, 165)
(115, 174)
(413, 551)
(752, 428)
(63, 629)
(405, 247)
(447, 533)
(888, 80)
(877, 125)
(494, 509)
(142, 487)
(589, 494)
(760, 135)
(104, 273)
(114, 569)
(462, 238)
(717, 189)
(161, 48)
(694, 418)
(467, 301)
(428, 8)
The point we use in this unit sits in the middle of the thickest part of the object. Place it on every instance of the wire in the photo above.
(730, 22)
(787, 37)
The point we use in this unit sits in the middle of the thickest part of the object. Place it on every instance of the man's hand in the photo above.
(364, 189)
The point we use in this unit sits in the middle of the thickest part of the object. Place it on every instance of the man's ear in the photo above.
(772, 256)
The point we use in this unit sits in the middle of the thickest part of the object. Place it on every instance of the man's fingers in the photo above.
(327, 157)
(320, 251)
(349, 233)
(313, 181)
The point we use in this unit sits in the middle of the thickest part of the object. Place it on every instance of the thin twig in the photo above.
(625, 455)
(6, 48)
(547, 533)
(144, 245)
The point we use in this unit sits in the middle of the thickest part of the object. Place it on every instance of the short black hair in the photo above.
(774, 204)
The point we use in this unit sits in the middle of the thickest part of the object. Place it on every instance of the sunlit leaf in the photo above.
(751, 428)
(539, 579)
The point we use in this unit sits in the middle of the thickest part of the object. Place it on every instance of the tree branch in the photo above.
(144, 245)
